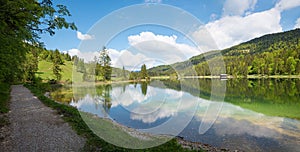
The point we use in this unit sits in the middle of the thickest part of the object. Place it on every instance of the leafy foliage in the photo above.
(57, 61)
(21, 22)
(105, 62)
(4, 97)
(143, 73)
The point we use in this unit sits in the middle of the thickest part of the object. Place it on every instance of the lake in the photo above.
(237, 114)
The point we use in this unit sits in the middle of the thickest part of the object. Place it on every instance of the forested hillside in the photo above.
(273, 54)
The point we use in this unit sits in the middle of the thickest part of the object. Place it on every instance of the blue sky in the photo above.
(228, 22)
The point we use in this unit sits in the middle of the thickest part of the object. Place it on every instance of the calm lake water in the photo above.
(256, 114)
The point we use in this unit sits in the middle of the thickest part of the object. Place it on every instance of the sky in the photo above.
(155, 32)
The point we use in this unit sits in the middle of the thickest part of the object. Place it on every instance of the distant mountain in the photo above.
(269, 42)
(278, 47)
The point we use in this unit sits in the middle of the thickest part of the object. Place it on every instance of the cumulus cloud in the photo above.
(297, 25)
(238, 7)
(149, 36)
(81, 36)
(232, 30)
(162, 47)
(238, 25)
(87, 56)
(73, 52)
(287, 4)
(131, 61)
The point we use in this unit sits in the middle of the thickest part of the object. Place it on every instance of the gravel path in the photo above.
(36, 127)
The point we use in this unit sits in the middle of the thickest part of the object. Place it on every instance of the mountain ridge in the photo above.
(288, 40)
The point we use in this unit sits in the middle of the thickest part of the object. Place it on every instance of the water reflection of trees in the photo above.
(106, 98)
(245, 90)
(63, 95)
(144, 86)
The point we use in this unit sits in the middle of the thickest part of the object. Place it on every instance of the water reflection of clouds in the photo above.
(175, 102)
(163, 112)
(86, 100)
(232, 120)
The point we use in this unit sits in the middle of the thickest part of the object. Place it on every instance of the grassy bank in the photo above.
(46, 73)
(4, 97)
(94, 143)
(4, 100)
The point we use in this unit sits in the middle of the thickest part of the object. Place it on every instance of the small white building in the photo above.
(223, 76)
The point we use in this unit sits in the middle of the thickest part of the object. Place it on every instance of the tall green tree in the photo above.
(143, 73)
(105, 62)
(31, 64)
(291, 65)
(57, 61)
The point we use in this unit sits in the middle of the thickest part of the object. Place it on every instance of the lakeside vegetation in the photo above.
(4, 103)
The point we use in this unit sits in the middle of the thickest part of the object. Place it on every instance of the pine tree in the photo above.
(105, 62)
(57, 61)
(143, 73)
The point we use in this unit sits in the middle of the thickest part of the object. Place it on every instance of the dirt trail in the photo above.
(36, 127)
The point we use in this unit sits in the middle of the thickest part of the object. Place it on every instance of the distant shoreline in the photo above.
(187, 77)
(228, 77)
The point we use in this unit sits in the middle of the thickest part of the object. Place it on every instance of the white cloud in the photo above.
(232, 30)
(239, 25)
(149, 36)
(153, 1)
(297, 25)
(87, 56)
(129, 60)
(287, 4)
(161, 47)
(81, 36)
(73, 52)
(119, 59)
(238, 7)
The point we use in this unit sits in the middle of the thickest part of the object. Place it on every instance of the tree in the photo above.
(105, 62)
(133, 76)
(143, 73)
(57, 61)
(31, 64)
(290, 65)
(21, 22)
(80, 65)
(124, 73)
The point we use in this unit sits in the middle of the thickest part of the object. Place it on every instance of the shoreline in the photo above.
(144, 136)
(96, 83)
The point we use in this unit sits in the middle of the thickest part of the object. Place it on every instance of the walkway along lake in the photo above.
(256, 115)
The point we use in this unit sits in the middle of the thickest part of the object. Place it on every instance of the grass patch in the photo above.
(93, 143)
(4, 106)
(45, 70)
(4, 97)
